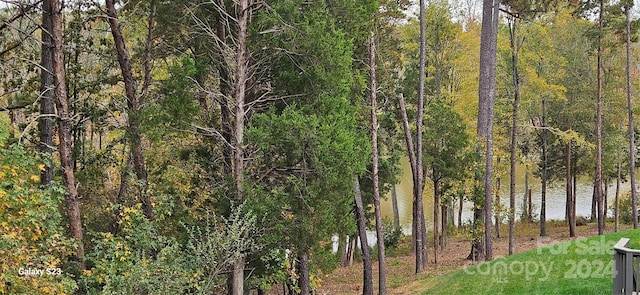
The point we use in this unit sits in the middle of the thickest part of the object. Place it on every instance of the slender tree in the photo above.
(361, 220)
(515, 47)
(133, 108)
(632, 144)
(417, 222)
(598, 131)
(47, 111)
(240, 80)
(382, 278)
(420, 246)
(544, 171)
(64, 130)
(486, 98)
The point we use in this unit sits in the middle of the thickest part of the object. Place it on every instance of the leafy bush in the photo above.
(625, 209)
(31, 234)
(390, 234)
(139, 261)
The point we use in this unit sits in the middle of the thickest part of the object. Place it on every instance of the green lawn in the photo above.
(583, 266)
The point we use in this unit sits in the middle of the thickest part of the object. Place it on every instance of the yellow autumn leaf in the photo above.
(35, 178)
(41, 167)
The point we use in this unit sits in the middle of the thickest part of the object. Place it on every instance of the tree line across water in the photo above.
(205, 146)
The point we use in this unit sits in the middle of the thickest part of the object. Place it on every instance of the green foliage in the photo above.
(176, 106)
(445, 143)
(391, 234)
(141, 261)
(32, 235)
(626, 211)
(4, 128)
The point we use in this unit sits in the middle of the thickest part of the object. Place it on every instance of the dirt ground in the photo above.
(401, 278)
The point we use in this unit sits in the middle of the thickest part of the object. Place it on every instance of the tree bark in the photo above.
(342, 249)
(486, 97)
(594, 203)
(570, 193)
(514, 128)
(530, 214)
(632, 143)
(460, 212)
(133, 107)
(444, 222)
(394, 206)
(436, 220)
(617, 199)
(361, 220)
(46, 121)
(419, 179)
(304, 282)
(498, 216)
(418, 223)
(543, 178)
(526, 201)
(598, 131)
(382, 278)
(238, 143)
(64, 131)
(225, 93)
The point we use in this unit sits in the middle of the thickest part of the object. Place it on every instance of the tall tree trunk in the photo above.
(382, 278)
(238, 143)
(419, 181)
(64, 131)
(486, 97)
(225, 93)
(353, 244)
(46, 121)
(630, 106)
(616, 213)
(570, 194)
(498, 216)
(594, 203)
(605, 196)
(598, 186)
(527, 207)
(530, 214)
(418, 223)
(513, 25)
(444, 221)
(361, 220)
(575, 186)
(133, 107)
(342, 249)
(436, 218)
(477, 245)
(304, 281)
(148, 47)
(394, 206)
(460, 212)
(543, 178)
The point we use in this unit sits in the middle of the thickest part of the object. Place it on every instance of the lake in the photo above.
(556, 198)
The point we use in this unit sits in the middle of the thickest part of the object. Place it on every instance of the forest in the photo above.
(217, 146)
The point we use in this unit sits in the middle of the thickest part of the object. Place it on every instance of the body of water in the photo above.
(556, 198)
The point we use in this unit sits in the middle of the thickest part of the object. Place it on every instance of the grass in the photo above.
(583, 266)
